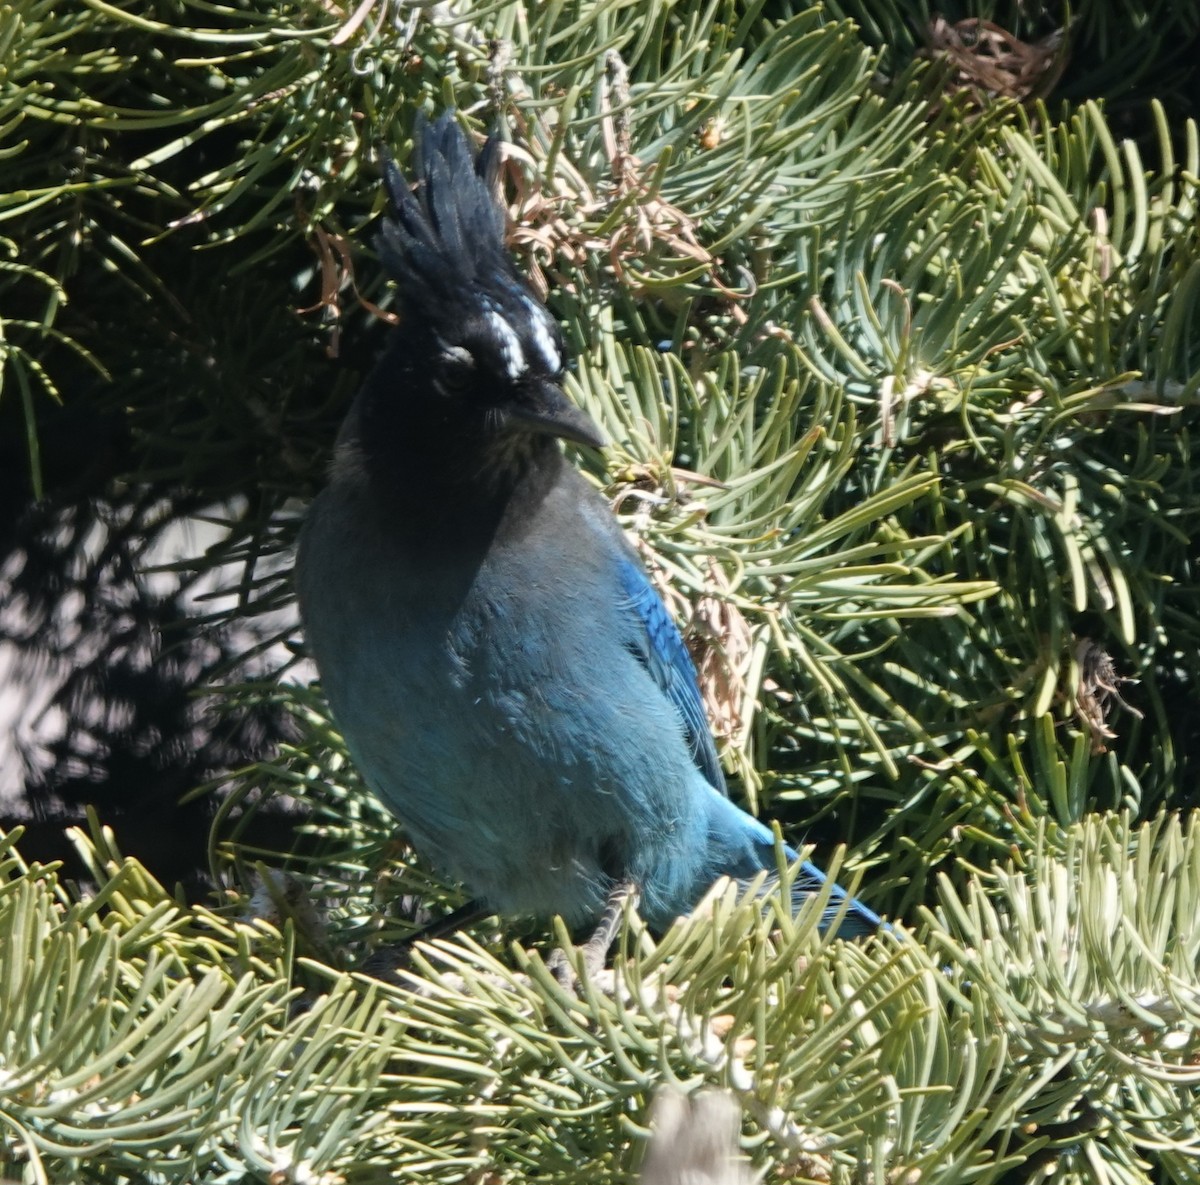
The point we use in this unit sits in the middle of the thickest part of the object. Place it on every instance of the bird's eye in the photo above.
(457, 368)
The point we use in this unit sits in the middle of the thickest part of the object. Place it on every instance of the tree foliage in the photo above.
(901, 373)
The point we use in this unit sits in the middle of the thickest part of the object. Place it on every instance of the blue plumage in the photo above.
(667, 659)
(505, 675)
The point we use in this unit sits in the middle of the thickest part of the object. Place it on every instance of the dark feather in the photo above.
(448, 233)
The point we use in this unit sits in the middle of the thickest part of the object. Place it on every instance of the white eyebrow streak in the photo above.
(539, 321)
(510, 345)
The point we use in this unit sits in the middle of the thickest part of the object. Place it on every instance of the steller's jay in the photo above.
(504, 674)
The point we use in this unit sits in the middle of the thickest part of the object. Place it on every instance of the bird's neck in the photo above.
(439, 487)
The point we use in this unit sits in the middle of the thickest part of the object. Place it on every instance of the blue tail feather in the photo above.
(745, 847)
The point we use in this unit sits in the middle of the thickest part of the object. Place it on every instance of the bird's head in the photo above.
(481, 346)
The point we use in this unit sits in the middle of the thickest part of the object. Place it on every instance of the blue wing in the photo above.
(664, 655)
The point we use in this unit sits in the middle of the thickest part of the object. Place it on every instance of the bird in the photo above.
(505, 676)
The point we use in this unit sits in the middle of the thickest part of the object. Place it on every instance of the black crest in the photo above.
(449, 234)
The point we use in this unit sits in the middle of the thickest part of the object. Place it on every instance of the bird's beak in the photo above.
(547, 410)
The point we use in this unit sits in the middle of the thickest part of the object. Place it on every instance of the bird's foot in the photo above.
(595, 949)
(391, 963)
